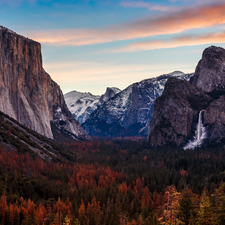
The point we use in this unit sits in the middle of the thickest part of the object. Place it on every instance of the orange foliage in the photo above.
(82, 210)
(139, 184)
(40, 214)
(123, 188)
(183, 173)
(146, 200)
(3, 206)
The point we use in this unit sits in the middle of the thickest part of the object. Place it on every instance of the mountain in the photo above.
(129, 112)
(28, 94)
(110, 92)
(187, 113)
(81, 105)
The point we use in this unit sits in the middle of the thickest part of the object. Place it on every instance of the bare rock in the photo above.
(210, 71)
(176, 113)
(214, 119)
(27, 92)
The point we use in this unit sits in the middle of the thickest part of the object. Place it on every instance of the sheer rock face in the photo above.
(210, 71)
(214, 119)
(27, 92)
(176, 111)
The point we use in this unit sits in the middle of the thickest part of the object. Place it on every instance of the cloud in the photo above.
(169, 24)
(142, 4)
(185, 40)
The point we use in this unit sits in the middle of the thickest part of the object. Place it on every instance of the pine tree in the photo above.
(205, 214)
(185, 206)
(145, 199)
(82, 213)
(3, 207)
(56, 220)
(67, 221)
(221, 215)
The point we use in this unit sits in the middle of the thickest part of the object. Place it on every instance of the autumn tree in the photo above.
(185, 206)
(56, 220)
(82, 213)
(40, 214)
(171, 204)
(94, 212)
(145, 199)
(3, 207)
(221, 214)
(205, 214)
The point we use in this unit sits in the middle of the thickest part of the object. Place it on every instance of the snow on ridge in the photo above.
(133, 106)
(81, 105)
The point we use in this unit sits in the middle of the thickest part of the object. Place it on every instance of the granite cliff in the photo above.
(177, 111)
(27, 92)
(210, 71)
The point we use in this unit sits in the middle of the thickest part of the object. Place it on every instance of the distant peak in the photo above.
(114, 89)
(176, 73)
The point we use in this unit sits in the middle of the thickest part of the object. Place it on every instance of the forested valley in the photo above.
(114, 182)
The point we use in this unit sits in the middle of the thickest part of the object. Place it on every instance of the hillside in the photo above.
(18, 138)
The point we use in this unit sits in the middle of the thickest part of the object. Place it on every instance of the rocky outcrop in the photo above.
(27, 92)
(176, 112)
(110, 92)
(214, 119)
(210, 71)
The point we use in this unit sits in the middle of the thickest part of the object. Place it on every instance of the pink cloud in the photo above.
(186, 40)
(170, 23)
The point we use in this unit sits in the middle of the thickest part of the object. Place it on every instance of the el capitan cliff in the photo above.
(27, 92)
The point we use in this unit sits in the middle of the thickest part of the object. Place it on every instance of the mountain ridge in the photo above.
(82, 104)
(129, 112)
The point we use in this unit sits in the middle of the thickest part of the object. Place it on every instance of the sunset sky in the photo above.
(90, 45)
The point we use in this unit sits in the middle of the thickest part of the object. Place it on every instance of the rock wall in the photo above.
(176, 111)
(210, 71)
(27, 92)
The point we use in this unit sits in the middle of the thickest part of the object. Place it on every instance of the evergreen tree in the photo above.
(185, 206)
(205, 214)
(221, 215)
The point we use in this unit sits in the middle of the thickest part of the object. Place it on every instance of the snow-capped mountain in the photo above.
(81, 105)
(129, 112)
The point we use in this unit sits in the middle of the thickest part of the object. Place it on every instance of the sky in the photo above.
(88, 45)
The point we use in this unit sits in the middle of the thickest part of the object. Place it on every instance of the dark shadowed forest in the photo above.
(114, 182)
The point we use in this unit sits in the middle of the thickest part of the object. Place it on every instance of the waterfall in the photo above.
(200, 134)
